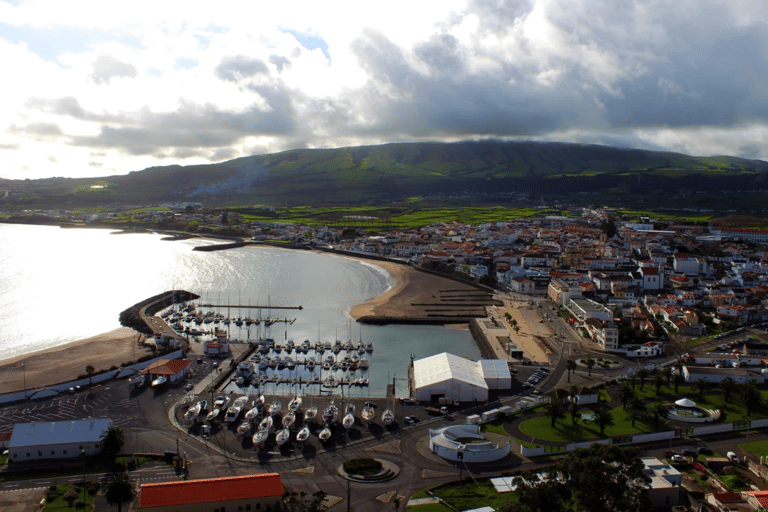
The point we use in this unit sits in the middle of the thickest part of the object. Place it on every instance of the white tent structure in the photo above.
(684, 402)
(449, 376)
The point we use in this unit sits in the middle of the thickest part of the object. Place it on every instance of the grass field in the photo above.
(471, 494)
(56, 502)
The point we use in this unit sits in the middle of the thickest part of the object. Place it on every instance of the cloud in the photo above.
(280, 62)
(106, 67)
(239, 67)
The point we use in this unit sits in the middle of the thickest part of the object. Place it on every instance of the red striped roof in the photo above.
(211, 490)
(167, 367)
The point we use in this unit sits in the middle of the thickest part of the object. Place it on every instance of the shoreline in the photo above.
(406, 298)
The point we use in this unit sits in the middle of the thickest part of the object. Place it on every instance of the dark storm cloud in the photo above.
(239, 67)
(190, 126)
(106, 67)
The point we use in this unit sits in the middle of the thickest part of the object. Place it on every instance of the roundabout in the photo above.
(368, 470)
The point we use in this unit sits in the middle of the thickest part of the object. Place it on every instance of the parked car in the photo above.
(688, 452)
(703, 450)
(410, 420)
(677, 458)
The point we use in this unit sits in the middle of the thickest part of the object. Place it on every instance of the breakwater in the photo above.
(135, 316)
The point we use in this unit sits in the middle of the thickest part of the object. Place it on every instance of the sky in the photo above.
(94, 88)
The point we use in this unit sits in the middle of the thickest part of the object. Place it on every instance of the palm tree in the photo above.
(90, 370)
(554, 410)
(658, 381)
(633, 381)
(570, 365)
(120, 491)
(655, 409)
(728, 385)
(603, 418)
(751, 395)
(701, 386)
(589, 363)
(633, 414)
(626, 392)
(677, 379)
(642, 374)
(573, 408)
(667, 373)
(112, 442)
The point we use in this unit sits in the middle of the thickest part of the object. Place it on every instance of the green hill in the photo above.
(472, 172)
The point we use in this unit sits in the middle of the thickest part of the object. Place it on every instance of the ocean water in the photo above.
(61, 285)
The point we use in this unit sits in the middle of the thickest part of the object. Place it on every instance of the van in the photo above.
(732, 457)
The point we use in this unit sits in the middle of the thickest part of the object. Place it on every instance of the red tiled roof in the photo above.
(211, 490)
(167, 367)
(728, 497)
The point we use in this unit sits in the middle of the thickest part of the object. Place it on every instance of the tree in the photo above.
(626, 392)
(573, 408)
(89, 370)
(728, 385)
(597, 479)
(570, 365)
(701, 386)
(633, 414)
(589, 363)
(667, 373)
(655, 409)
(658, 381)
(603, 418)
(120, 491)
(642, 374)
(554, 410)
(751, 396)
(677, 379)
(112, 442)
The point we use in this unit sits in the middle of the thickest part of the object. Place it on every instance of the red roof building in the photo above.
(174, 369)
(246, 493)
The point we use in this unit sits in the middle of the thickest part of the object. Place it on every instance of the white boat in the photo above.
(387, 417)
(324, 434)
(349, 418)
(159, 381)
(369, 347)
(244, 428)
(233, 411)
(331, 414)
(212, 415)
(369, 411)
(221, 401)
(282, 437)
(259, 438)
(253, 413)
(193, 412)
(240, 381)
(303, 435)
(289, 419)
(267, 424)
(275, 407)
(363, 364)
(295, 404)
(310, 414)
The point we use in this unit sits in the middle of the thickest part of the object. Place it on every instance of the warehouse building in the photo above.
(456, 378)
(56, 439)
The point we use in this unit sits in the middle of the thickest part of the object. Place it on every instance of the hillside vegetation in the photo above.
(469, 172)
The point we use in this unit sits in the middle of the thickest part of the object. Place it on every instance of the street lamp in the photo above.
(24, 372)
(82, 454)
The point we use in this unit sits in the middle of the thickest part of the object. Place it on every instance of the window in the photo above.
(247, 507)
(65, 452)
(16, 455)
(81, 447)
(53, 452)
(39, 453)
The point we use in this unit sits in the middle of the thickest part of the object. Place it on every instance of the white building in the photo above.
(664, 490)
(709, 374)
(449, 376)
(56, 440)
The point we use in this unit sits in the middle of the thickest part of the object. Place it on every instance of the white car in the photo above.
(677, 458)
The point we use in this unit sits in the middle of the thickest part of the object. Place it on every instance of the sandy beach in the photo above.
(67, 362)
(113, 348)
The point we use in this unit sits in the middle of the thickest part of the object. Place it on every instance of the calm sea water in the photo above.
(60, 285)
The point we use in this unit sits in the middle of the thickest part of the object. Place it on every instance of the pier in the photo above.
(232, 306)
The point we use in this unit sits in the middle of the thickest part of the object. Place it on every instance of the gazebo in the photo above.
(684, 402)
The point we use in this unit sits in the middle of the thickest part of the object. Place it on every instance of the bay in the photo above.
(61, 285)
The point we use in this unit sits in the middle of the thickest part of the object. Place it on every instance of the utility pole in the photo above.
(349, 496)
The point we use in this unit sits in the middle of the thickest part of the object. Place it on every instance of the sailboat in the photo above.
(275, 407)
(369, 411)
(289, 419)
(244, 428)
(259, 438)
(310, 414)
(266, 424)
(324, 434)
(349, 418)
(387, 417)
(295, 404)
(193, 412)
(331, 414)
(282, 437)
(303, 435)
